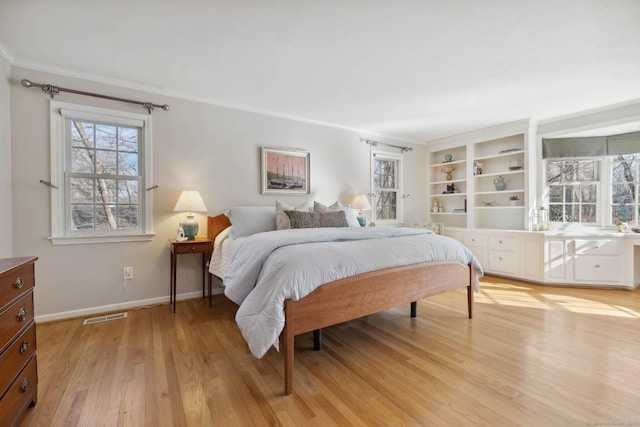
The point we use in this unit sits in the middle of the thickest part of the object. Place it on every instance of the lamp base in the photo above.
(362, 221)
(190, 227)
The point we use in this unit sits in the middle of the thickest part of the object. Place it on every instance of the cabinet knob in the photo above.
(500, 241)
(24, 347)
(18, 283)
(500, 258)
(193, 248)
(597, 266)
(473, 240)
(22, 315)
(25, 384)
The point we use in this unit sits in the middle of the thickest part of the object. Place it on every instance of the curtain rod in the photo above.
(376, 143)
(55, 90)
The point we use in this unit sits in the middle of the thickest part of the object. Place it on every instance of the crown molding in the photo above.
(35, 66)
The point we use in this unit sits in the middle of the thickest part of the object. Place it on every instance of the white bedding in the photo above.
(261, 271)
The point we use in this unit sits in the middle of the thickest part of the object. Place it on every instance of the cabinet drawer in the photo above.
(502, 243)
(16, 356)
(596, 269)
(17, 316)
(502, 262)
(596, 247)
(475, 240)
(22, 392)
(192, 248)
(16, 282)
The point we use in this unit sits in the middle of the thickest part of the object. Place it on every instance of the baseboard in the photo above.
(120, 306)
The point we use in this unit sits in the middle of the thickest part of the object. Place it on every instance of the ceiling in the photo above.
(414, 71)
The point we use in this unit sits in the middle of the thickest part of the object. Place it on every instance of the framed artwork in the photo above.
(285, 171)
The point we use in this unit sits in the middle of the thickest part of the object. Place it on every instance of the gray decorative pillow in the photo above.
(349, 212)
(317, 219)
(282, 220)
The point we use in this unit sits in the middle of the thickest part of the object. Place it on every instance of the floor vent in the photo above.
(104, 318)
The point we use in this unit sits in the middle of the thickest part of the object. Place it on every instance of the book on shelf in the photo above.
(509, 150)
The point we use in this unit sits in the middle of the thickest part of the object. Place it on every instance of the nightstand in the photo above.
(198, 246)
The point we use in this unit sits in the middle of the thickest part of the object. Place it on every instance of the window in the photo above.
(101, 165)
(625, 178)
(386, 186)
(573, 190)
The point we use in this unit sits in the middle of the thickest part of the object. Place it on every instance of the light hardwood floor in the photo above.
(532, 355)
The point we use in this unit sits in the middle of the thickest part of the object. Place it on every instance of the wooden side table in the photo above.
(198, 246)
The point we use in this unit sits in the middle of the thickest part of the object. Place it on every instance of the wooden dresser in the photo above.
(18, 366)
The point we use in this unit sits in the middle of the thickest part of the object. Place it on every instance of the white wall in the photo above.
(6, 239)
(196, 146)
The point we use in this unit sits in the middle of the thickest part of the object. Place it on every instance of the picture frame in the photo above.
(285, 171)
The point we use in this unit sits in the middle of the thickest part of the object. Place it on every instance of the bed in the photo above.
(336, 300)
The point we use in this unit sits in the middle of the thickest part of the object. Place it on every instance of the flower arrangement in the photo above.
(448, 170)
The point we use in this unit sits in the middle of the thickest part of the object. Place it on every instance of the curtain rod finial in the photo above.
(26, 83)
(165, 107)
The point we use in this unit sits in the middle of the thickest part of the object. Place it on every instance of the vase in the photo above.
(499, 183)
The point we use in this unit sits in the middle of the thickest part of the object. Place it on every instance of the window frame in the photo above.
(386, 155)
(597, 183)
(60, 197)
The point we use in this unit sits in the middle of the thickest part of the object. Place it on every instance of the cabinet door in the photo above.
(597, 269)
(554, 260)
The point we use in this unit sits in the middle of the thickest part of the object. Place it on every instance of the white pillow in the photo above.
(349, 212)
(248, 220)
(282, 219)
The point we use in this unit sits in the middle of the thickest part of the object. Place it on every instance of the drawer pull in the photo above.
(597, 266)
(18, 283)
(193, 248)
(25, 384)
(500, 241)
(24, 347)
(22, 315)
(500, 258)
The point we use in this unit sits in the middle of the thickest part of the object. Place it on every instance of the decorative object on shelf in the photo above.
(362, 204)
(436, 206)
(515, 165)
(540, 219)
(190, 201)
(622, 226)
(635, 229)
(514, 200)
(488, 204)
(499, 183)
(509, 150)
(477, 168)
(447, 158)
(448, 171)
(451, 188)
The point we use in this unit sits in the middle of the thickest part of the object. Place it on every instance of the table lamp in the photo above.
(362, 204)
(190, 201)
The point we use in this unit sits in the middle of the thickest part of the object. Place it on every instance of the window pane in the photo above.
(589, 193)
(106, 137)
(572, 213)
(81, 160)
(571, 194)
(127, 217)
(622, 193)
(81, 134)
(555, 213)
(105, 217)
(82, 217)
(82, 190)
(386, 205)
(588, 213)
(106, 162)
(586, 171)
(128, 139)
(568, 172)
(554, 171)
(128, 164)
(106, 191)
(127, 191)
(623, 171)
(385, 174)
(555, 194)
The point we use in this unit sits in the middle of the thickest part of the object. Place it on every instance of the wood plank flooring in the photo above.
(532, 356)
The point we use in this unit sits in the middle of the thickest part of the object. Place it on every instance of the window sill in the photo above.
(87, 240)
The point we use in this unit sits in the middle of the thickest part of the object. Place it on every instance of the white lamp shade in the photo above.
(361, 202)
(190, 201)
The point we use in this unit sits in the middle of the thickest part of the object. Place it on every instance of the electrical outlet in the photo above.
(127, 273)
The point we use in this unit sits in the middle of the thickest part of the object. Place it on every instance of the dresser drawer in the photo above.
(597, 269)
(502, 243)
(16, 356)
(193, 247)
(471, 239)
(597, 247)
(15, 282)
(22, 392)
(15, 317)
(502, 262)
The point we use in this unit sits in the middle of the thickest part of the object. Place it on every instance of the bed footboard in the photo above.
(369, 293)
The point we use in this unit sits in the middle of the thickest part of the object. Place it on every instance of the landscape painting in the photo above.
(285, 171)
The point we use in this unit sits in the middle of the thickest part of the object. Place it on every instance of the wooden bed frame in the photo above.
(361, 295)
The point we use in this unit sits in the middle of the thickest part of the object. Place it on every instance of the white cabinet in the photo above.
(555, 260)
(502, 255)
(597, 260)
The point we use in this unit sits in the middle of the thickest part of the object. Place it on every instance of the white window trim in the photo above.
(374, 196)
(58, 111)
